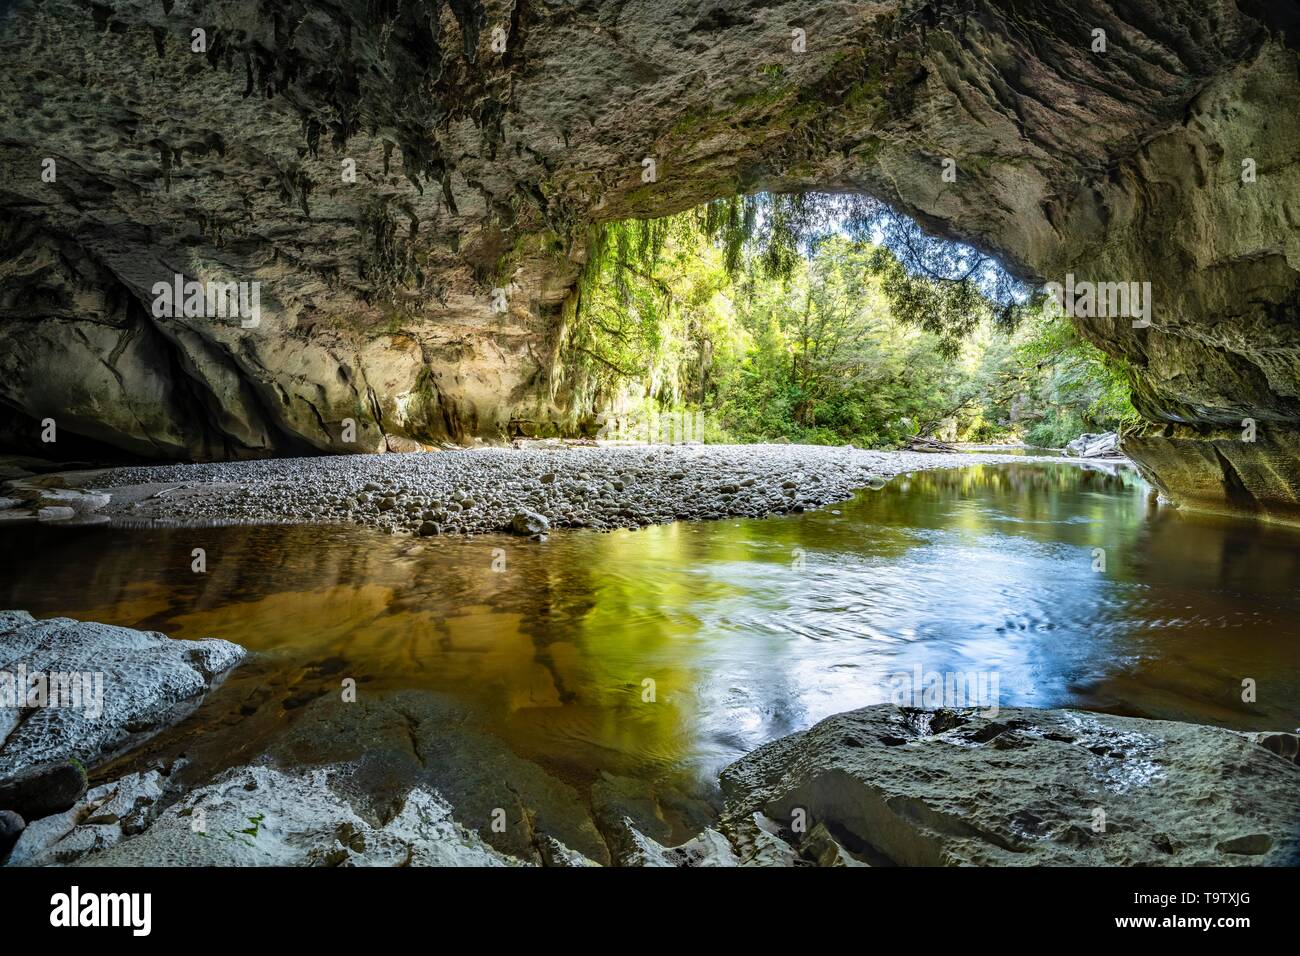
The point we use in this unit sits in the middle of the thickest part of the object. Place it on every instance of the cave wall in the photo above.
(487, 137)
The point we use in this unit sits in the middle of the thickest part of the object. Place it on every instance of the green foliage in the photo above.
(648, 313)
(828, 319)
(1073, 385)
(944, 287)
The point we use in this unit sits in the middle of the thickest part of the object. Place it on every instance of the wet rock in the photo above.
(1069, 788)
(709, 849)
(528, 523)
(101, 818)
(11, 827)
(128, 685)
(41, 790)
(265, 816)
(400, 741)
(81, 502)
(1285, 745)
(1216, 471)
(820, 848)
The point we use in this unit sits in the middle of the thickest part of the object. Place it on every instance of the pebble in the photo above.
(486, 490)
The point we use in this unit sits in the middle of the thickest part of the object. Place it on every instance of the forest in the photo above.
(827, 319)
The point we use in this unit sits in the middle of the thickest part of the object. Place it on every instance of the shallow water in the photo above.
(749, 629)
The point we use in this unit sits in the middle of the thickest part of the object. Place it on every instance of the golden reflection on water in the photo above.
(747, 629)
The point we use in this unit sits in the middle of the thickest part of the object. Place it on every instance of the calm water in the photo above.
(749, 628)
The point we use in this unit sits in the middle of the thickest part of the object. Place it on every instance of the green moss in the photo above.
(395, 315)
(868, 95)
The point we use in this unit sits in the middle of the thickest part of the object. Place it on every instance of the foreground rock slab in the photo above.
(123, 685)
(887, 785)
(262, 816)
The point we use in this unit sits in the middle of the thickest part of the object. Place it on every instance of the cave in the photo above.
(243, 234)
(382, 170)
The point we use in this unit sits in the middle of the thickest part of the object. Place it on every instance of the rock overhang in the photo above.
(486, 138)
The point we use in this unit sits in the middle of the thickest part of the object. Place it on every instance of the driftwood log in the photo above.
(920, 443)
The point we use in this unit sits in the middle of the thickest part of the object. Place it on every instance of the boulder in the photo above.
(1103, 445)
(264, 816)
(43, 789)
(402, 741)
(123, 685)
(1024, 788)
(527, 523)
(11, 828)
(100, 819)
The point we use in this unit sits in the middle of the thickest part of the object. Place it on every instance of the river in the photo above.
(663, 654)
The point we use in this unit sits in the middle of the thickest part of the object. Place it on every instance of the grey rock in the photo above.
(11, 827)
(43, 789)
(398, 741)
(136, 682)
(1023, 788)
(529, 523)
(82, 502)
(1101, 445)
(264, 816)
(102, 818)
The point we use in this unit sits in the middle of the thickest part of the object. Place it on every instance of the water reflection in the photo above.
(747, 629)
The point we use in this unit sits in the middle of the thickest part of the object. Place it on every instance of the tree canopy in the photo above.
(828, 318)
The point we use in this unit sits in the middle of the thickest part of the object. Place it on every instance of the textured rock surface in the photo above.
(148, 682)
(401, 779)
(1093, 446)
(1215, 470)
(43, 789)
(395, 778)
(251, 816)
(406, 740)
(890, 785)
(480, 168)
(260, 816)
(99, 820)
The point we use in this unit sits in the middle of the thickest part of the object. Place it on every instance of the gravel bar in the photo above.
(526, 491)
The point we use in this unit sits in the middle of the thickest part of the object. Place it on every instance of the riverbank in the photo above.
(484, 490)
